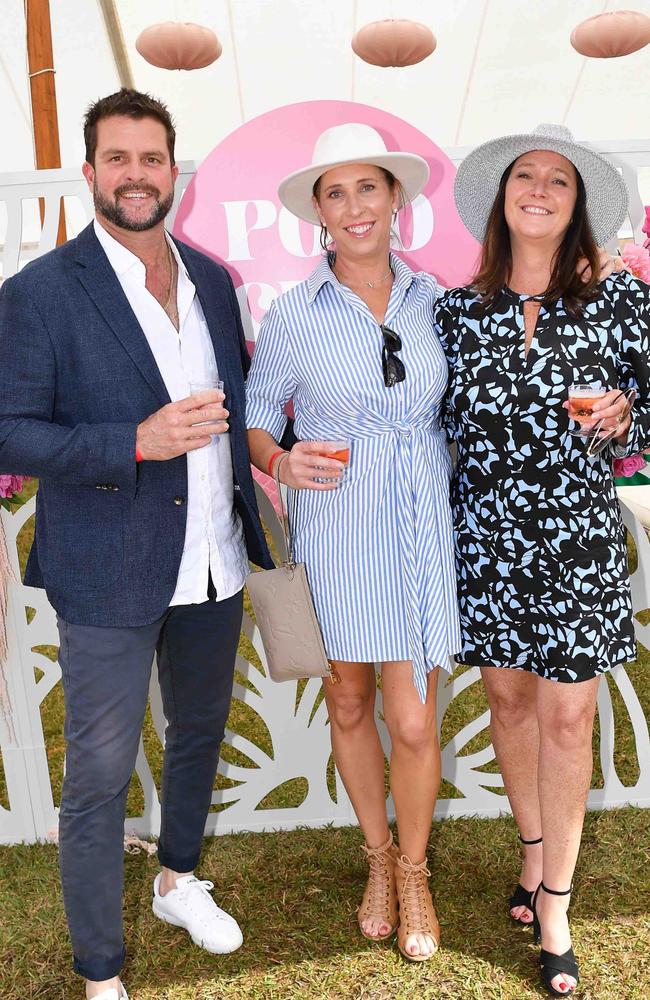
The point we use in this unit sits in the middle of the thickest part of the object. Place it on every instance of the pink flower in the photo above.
(637, 261)
(646, 225)
(626, 467)
(9, 485)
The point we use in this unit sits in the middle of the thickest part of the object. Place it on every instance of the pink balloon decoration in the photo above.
(178, 45)
(394, 43)
(617, 33)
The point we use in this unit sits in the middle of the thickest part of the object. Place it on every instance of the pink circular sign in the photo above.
(231, 209)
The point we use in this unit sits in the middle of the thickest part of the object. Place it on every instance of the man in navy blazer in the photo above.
(112, 349)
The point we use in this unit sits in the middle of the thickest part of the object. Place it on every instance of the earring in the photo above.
(325, 241)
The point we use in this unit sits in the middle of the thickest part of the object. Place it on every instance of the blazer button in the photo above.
(179, 501)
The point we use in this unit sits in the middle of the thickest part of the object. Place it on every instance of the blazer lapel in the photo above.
(102, 285)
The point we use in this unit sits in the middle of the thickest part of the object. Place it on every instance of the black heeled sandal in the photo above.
(521, 896)
(551, 965)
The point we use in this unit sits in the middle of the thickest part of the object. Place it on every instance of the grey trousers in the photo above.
(106, 675)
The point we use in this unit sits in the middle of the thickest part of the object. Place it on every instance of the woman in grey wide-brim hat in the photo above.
(354, 346)
(540, 548)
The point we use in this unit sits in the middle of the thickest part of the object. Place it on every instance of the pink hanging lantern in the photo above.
(178, 45)
(617, 33)
(394, 43)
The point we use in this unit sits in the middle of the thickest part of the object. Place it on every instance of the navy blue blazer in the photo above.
(76, 378)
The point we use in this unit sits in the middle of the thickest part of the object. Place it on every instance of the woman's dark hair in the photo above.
(495, 267)
(132, 104)
(392, 182)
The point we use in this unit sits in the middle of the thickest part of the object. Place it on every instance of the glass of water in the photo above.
(201, 385)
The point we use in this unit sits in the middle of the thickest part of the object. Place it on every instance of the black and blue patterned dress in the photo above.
(540, 546)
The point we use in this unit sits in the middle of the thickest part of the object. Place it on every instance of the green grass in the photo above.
(296, 893)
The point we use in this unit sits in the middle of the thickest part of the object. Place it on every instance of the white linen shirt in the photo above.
(214, 537)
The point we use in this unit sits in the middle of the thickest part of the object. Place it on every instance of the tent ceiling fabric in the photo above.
(500, 66)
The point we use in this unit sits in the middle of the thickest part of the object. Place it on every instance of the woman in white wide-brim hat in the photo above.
(355, 349)
(540, 548)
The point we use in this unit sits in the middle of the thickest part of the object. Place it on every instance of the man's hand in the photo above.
(607, 263)
(183, 426)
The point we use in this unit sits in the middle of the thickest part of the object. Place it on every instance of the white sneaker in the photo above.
(112, 994)
(191, 906)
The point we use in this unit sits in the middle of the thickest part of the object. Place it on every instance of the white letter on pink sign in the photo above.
(422, 223)
(290, 236)
(259, 304)
(237, 228)
(249, 302)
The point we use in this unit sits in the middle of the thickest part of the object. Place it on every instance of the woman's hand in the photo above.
(306, 463)
(607, 262)
(613, 409)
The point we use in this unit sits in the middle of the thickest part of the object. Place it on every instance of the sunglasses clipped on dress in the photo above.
(392, 366)
(596, 440)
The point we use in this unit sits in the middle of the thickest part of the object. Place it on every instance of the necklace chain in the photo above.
(173, 311)
(370, 284)
(373, 284)
(171, 275)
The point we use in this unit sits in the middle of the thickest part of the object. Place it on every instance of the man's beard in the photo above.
(112, 211)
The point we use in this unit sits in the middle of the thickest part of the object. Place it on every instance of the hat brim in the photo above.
(479, 175)
(295, 191)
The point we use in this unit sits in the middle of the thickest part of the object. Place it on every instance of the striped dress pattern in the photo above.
(378, 550)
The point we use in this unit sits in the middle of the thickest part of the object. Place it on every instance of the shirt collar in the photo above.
(323, 275)
(119, 257)
(122, 259)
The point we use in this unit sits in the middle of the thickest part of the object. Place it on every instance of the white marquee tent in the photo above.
(500, 66)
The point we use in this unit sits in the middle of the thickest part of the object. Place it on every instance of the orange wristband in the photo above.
(272, 459)
(138, 456)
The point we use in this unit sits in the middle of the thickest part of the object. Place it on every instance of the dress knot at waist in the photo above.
(401, 428)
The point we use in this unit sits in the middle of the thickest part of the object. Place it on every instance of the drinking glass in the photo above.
(197, 385)
(340, 450)
(599, 439)
(582, 397)
(200, 385)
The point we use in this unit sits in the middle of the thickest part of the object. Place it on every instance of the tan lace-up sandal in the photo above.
(380, 898)
(416, 911)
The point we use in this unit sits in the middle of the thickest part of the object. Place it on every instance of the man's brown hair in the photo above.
(133, 104)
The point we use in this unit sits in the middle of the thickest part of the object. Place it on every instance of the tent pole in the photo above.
(43, 95)
(118, 46)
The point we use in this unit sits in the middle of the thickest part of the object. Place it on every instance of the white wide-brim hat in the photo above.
(343, 144)
(479, 175)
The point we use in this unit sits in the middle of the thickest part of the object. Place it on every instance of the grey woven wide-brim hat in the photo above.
(351, 142)
(480, 173)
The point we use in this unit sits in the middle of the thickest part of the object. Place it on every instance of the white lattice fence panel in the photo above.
(299, 735)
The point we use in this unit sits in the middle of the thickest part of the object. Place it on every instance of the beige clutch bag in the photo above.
(285, 616)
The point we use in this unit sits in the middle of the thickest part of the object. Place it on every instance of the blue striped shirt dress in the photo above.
(378, 550)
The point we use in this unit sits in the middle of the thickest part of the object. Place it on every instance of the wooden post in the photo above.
(43, 95)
